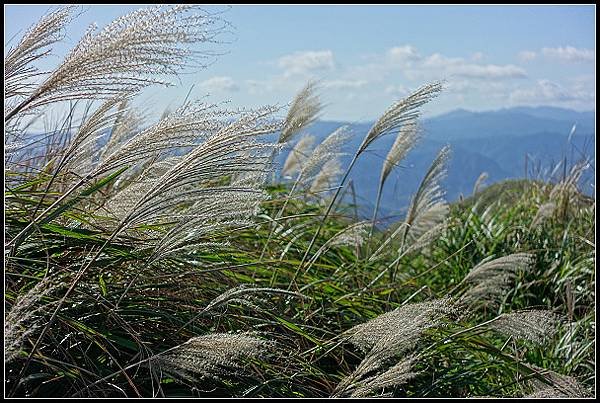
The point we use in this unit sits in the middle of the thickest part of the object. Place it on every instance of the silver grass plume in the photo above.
(352, 235)
(566, 192)
(181, 129)
(127, 124)
(193, 182)
(544, 212)
(326, 177)
(426, 216)
(568, 185)
(394, 333)
(407, 322)
(534, 325)
(396, 375)
(421, 242)
(403, 111)
(213, 356)
(126, 55)
(405, 140)
(479, 182)
(303, 111)
(557, 386)
(18, 69)
(297, 156)
(25, 317)
(78, 157)
(490, 279)
(328, 149)
(428, 207)
(246, 295)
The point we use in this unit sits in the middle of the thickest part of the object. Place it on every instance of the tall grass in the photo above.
(160, 259)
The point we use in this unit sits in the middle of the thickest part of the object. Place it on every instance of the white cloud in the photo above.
(527, 55)
(305, 63)
(457, 66)
(219, 84)
(345, 84)
(550, 92)
(403, 54)
(570, 54)
(489, 71)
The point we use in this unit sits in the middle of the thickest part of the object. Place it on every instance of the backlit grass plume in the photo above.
(557, 386)
(213, 356)
(303, 111)
(405, 140)
(393, 334)
(26, 316)
(399, 113)
(489, 280)
(295, 161)
(396, 375)
(534, 325)
(127, 55)
(34, 45)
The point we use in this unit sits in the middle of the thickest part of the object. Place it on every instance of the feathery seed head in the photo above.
(328, 149)
(303, 111)
(534, 325)
(126, 55)
(327, 176)
(298, 155)
(403, 111)
(213, 355)
(405, 140)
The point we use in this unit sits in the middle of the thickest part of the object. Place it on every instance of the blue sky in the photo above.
(369, 56)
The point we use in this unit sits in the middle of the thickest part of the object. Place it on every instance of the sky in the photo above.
(366, 57)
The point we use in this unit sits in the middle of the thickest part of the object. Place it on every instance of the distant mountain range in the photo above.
(496, 142)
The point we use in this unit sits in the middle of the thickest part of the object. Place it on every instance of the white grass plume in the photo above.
(190, 195)
(128, 123)
(78, 157)
(490, 279)
(403, 111)
(246, 295)
(427, 207)
(407, 137)
(327, 176)
(545, 211)
(25, 317)
(426, 216)
(393, 333)
(127, 55)
(298, 155)
(34, 45)
(396, 375)
(405, 140)
(479, 182)
(534, 325)
(303, 111)
(213, 356)
(184, 128)
(352, 235)
(558, 386)
(328, 149)
(401, 325)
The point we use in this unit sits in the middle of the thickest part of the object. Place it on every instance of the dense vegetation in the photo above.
(170, 259)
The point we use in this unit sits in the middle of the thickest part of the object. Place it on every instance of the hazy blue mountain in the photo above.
(521, 121)
(496, 142)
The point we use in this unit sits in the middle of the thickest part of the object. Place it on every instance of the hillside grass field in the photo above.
(165, 257)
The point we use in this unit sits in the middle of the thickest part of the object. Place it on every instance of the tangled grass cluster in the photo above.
(147, 260)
